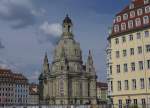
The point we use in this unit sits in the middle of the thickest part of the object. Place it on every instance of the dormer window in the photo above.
(116, 28)
(125, 16)
(130, 24)
(131, 6)
(147, 9)
(139, 12)
(132, 14)
(123, 26)
(138, 22)
(145, 20)
(118, 18)
(146, 1)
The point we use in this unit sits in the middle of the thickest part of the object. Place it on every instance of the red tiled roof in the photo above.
(8, 74)
(137, 4)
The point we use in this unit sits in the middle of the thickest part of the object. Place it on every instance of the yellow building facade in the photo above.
(128, 56)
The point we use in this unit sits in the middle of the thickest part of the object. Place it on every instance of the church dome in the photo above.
(67, 46)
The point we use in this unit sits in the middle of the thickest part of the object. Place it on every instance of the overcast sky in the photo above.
(29, 28)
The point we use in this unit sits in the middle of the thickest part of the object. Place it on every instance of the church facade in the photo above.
(67, 80)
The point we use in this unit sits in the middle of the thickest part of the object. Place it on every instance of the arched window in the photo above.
(145, 19)
(116, 28)
(138, 22)
(123, 26)
(130, 24)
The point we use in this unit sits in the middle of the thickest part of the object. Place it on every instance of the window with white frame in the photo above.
(118, 68)
(123, 39)
(124, 53)
(130, 24)
(116, 28)
(111, 85)
(119, 85)
(147, 9)
(132, 14)
(142, 83)
(145, 20)
(140, 65)
(134, 84)
(131, 6)
(138, 22)
(139, 50)
(117, 40)
(139, 12)
(117, 54)
(118, 18)
(148, 64)
(138, 35)
(131, 51)
(132, 66)
(123, 26)
(146, 33)
(146, 1)
(125, 67)
(130, 37)
(125, 16)
(147, 48)
(126, 84)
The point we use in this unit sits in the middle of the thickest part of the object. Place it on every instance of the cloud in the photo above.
(20, 13)
(50, 32)
(54, 29)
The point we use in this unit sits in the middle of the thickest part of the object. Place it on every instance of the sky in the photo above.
(29, 28)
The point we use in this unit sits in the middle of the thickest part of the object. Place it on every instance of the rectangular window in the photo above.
(140, 65)
(143, 103)
(132, 66)
(146, 33)
(135, 101)
(110, 70)
(111, 85)
(139, 50)
(142, 83)
(138, 35)
(119, 85)
(126, 84)
(117, 54)
(147, 48)
(124, 53)
(117, 41)
(134, 84)
(123, 39)
(131, 51)
(125, 67)
(148, 64)
(130, 37)
(120, 103)
(149, 82)
(118, 68)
